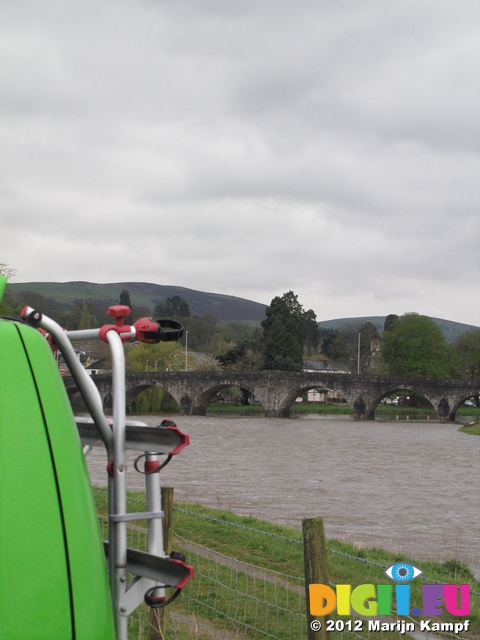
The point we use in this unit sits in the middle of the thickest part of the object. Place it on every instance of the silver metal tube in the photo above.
(83, 334)
(154, 503)
(93, 334)
(111, 556)
(85, 385)
(119, 479)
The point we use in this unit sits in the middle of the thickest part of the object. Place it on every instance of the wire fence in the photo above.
(242, 599)
(248, 598)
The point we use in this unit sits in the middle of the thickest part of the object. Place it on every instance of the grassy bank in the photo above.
(296, 409)
(342, 409)
(275, 548)
(473, 429)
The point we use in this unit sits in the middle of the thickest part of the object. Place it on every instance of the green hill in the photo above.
(222, 307)
(452, 330)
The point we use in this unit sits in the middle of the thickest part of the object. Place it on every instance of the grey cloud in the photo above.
(330, 148)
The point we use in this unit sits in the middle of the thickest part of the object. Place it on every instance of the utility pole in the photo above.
(358, 359)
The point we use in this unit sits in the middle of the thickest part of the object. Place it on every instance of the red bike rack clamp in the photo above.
(147, 330)
(153, 331)
(49, 339)
(120, 312)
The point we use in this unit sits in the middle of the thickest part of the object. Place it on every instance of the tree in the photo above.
(311, 328)
(416, 346)
(141, 311)
(203, 362)
(85, 317)
(369, 344)
(200, 333)
(389, 321)
(7, 300)
(41, 303)
(467, 347)
(284, 333)
(341, 345)
(247, 355)
(327, 336)
(125, 299)
(151, 357)
(344, 346)
(174, 307)
(7, 271)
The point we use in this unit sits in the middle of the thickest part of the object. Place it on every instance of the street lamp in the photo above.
(186, 350)
(358, 363)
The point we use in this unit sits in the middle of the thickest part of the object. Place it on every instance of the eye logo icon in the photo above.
(402, 572)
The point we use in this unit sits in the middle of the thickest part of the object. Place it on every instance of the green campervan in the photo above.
(53, 580)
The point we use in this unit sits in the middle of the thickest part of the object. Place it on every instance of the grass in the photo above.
(473, 429)
(210, 598)
(385, 411)
(296, 409)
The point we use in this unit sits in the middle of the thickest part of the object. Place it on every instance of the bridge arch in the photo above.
(202, 401)
(133, 394)
(392, 389)
(288, 401)
(458, 401)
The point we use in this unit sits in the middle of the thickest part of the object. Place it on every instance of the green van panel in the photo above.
(52, 568)
(34, 582)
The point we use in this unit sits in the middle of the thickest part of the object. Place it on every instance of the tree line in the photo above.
(411, 344)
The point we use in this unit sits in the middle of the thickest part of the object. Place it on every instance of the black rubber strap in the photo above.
(157, 469)
(174, 330)
(158, 603)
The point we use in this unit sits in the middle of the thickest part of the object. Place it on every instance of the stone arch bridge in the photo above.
(277, 390)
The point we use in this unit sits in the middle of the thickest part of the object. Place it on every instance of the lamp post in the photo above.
(358, 363)
(186, 350)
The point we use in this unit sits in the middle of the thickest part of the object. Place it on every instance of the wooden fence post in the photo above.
(315, 567)
(157, 630)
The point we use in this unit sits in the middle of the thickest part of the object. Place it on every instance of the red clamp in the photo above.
(119, 311)
(184, 437)
(49, 339)
(147, 330)
(153, 331)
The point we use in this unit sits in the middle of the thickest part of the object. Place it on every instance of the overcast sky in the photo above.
(247, 147)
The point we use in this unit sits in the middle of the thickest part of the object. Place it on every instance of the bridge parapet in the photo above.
(277, 390)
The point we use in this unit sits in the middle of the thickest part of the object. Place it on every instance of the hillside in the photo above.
(452, 330)
(222, 307)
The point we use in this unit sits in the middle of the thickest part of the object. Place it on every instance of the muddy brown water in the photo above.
(410, 487)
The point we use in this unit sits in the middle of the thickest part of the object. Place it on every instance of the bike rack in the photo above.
(152, 571)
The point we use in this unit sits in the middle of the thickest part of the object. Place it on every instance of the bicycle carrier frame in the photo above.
(153, 571)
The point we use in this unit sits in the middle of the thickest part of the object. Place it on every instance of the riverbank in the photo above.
(390, 412)
(215, 537)
(400, 485)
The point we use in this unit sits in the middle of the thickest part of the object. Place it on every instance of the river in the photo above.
(411, 487)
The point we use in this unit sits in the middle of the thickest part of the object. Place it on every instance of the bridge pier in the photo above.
(361, 411)
(186, 405)
(443, 410)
